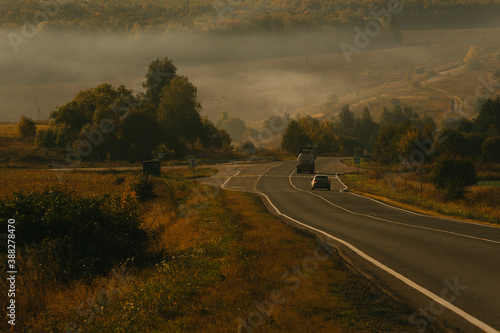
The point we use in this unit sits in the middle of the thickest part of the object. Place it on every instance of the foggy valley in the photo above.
(50, 69)
(247, 75)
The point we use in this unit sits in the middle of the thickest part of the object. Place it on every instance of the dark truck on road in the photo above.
(306, 157)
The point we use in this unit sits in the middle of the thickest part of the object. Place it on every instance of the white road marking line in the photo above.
(340, 161)
(405, 210)
(345, 186)
(326, 166)
(473, 320)
(390, 221)
(227, 180)
(426, 292)
(418, 214)
(363, 255)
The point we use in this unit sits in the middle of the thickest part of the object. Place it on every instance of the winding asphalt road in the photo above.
(449, 269)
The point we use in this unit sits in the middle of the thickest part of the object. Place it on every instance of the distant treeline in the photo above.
(400, 134)
(244, 16)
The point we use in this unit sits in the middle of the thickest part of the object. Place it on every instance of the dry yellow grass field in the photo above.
(11, 130)
(387, 184)
(84, 183)
(218, 260)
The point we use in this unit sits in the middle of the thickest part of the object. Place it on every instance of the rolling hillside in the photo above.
(244, 16)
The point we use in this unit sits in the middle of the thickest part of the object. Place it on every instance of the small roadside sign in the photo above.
(315, 145)
(160, 156)
(420, 170)
(192, 164)
(357, 161)
(191, 161)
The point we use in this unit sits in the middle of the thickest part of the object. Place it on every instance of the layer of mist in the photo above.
(250, 76)
(51, 68)
(71, 57)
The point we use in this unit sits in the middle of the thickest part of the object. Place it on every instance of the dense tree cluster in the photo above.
(349, 135)
(235, 15)
(400, 134)
(420, 141)
(235, 126)
(107, 123)
(480, 137)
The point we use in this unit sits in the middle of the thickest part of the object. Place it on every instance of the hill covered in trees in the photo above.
(244, 16)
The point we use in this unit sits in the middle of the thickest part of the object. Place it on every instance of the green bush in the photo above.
(491, 149)
(395, 101)
(247, 146)
(144, 188)
(420, 70)
(430, 72)
(163, 148)
(496, 72)
(76, 237)
(453, 174)
(27, 128)
(472, 60)
(46, 138)
(407, 77)
(415, 84)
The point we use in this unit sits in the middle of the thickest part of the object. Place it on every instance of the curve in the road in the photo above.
(471, 319)
(386, 220)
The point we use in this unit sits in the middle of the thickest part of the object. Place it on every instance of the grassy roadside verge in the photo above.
(218, 262)
(480, 203)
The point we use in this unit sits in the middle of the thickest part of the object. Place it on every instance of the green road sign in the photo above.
(357, 160)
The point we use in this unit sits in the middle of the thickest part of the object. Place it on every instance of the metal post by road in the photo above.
(421, 185)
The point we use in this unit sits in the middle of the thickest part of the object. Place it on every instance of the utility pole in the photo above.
(192, 164)
(405, 163)
(420, 171)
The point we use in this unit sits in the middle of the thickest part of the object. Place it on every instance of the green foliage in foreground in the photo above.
(75, 237)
